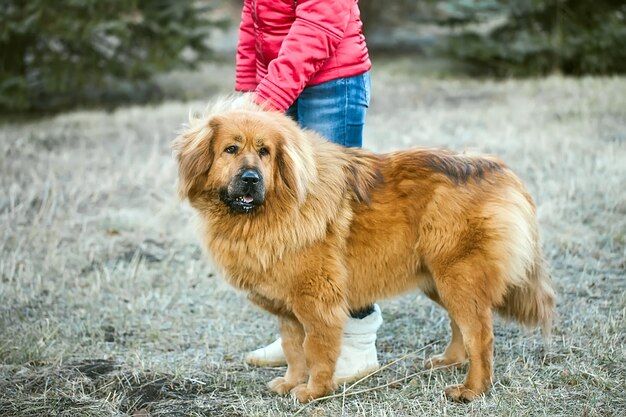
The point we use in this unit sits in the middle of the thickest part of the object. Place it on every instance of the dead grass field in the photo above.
(108, 306)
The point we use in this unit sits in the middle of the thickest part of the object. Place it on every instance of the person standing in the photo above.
(309, 59)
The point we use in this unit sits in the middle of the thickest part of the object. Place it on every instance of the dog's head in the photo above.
(236, 157)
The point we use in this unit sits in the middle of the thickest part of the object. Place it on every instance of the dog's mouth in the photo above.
(244, 203)
(245, 199)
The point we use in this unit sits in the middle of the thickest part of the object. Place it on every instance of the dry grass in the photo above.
(108, 306)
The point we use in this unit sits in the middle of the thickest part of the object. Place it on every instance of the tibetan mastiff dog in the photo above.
(311, 230)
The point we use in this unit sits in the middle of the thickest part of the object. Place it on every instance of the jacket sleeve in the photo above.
(317, 30)
(245, 67)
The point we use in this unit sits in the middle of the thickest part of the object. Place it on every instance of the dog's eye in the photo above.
(264, 152)
(231, 149)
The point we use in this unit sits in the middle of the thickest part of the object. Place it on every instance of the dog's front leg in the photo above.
(322, 345)
(292, 335)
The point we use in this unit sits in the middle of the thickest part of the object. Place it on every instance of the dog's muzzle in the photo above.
(245, 192)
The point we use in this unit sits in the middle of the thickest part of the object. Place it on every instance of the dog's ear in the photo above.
(362, 173)
(193, 150)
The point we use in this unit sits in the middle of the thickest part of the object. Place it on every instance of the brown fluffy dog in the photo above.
(311, 230)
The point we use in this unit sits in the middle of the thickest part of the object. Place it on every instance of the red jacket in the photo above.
(286, 45)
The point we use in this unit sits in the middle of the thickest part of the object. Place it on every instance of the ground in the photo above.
(108, 306)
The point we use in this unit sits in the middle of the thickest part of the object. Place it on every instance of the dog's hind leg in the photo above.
(455, 353)
(478, 338)
(462, 293)
(292, 335)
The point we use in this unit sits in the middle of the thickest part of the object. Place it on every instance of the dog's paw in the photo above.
(460, 393)
(303, 394)
(438, 361)
(280, 385)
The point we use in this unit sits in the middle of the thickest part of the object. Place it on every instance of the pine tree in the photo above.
(63, 53)
(536, 37)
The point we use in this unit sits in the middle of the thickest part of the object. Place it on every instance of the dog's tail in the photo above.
(533, 302)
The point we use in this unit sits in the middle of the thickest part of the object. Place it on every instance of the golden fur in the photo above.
(320, 229)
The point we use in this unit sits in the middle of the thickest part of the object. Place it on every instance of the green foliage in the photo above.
(63, 53)
(519, 37)
(540, 37)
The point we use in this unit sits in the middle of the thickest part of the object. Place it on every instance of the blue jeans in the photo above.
(335, 109)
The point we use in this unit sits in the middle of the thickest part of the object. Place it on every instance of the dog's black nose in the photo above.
(250, 176)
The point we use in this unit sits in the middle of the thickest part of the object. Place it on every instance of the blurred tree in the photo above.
(520, 37)
(63, 53)
(541, 36)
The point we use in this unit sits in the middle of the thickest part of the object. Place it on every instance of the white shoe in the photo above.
(358, 350)
(270, 355)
